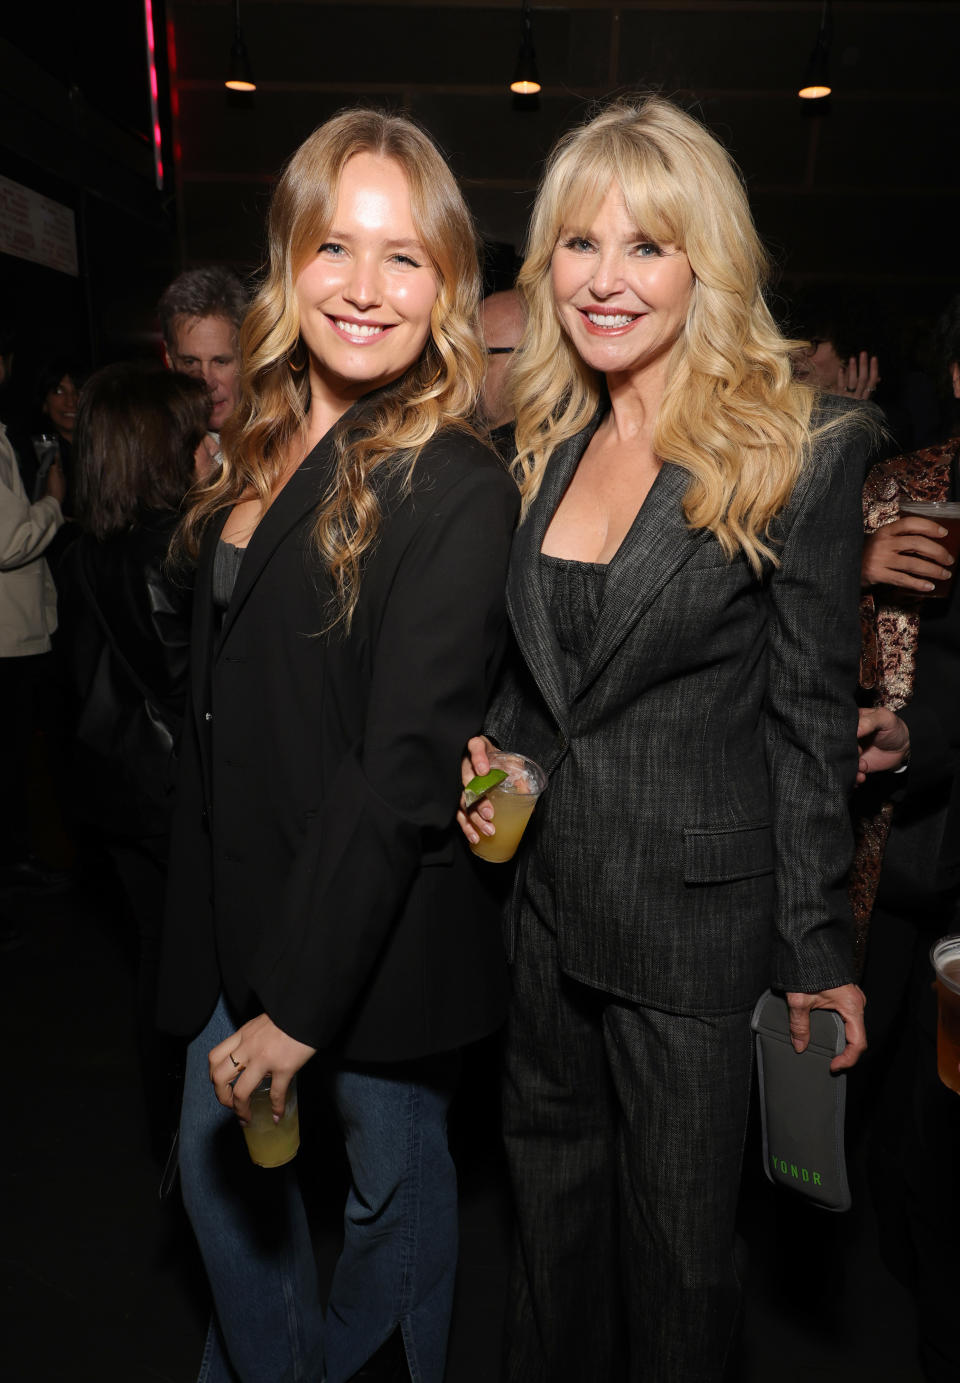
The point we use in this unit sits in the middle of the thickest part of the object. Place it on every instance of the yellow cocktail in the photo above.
(270, 1144)
(513, 801)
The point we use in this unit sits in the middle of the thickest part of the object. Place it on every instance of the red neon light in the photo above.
(174, 91)
(154, 94)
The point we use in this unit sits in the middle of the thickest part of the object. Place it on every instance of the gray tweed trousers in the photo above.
(624, 1128)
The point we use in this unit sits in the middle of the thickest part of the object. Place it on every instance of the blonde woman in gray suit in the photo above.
(683, 594)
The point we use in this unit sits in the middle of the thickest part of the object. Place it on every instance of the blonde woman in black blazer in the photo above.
(349, 620)
(683, 594)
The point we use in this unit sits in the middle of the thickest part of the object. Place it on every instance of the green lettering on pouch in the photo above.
(793, 1170)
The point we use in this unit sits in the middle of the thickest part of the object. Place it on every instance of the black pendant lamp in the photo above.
(239, 72)
(816, 79)
(526, 79)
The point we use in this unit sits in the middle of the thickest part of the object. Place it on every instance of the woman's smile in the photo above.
(358, 330)
(609, 322)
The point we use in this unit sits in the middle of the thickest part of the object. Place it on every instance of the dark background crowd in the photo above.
(856, 199)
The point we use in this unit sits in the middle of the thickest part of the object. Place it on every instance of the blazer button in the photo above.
(208, 715)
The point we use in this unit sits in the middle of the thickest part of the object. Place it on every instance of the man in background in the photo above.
(200, 316)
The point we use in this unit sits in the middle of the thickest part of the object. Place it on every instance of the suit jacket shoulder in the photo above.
(454, 455)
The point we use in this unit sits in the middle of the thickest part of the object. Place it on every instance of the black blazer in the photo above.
(317, 872)
(695, 824)
(122, 651)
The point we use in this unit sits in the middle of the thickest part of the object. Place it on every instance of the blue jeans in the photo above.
(400, 1228)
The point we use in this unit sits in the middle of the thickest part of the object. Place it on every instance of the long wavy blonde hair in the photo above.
(732, 415)
(440, 388)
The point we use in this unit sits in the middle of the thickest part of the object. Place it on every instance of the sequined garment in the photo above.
(889, 624)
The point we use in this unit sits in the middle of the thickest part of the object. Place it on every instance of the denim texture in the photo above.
(253, 1236)
(400, 1224)
(624, 1129)
(399, 1256)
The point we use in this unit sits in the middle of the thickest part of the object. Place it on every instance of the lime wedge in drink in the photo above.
(477, 787)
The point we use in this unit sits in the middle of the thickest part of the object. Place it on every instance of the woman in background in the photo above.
(124, 636)
(56, 395)
(683, 593)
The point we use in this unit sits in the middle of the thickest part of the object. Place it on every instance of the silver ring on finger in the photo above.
(236, 1064)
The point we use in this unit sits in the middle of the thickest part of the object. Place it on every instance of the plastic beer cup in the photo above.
(945, 955)
(947, 514)
(270, 1144)
(513, 802)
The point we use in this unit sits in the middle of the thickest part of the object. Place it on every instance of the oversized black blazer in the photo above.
(695, 824)
(317, 872)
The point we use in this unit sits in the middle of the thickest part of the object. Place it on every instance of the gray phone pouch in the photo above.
(801, 1104)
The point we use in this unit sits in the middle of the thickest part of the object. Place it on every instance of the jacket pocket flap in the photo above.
(714, 856)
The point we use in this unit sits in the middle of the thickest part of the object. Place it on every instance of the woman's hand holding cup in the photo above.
(476, 820)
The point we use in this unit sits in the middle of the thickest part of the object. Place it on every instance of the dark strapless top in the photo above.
(574, 594)
(226, 565)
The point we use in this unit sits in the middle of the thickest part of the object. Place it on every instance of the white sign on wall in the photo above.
(35, 228)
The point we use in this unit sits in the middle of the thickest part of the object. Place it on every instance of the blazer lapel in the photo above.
(203, 627)
(202, 637)
(297, 498)
(656, 547)
(526, 600)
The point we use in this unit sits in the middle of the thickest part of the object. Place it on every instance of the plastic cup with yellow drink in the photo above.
(270, 1144)
(512, 787)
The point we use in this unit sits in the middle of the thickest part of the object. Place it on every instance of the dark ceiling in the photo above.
(864, 193)
(827, 190)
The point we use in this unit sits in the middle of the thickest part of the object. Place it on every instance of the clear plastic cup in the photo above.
(270, 1144)
(945, 957)
(513, 802)
(947, 514)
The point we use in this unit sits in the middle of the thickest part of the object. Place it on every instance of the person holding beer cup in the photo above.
(905, 881)
(690, 533)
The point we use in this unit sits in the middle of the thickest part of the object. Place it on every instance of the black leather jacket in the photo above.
(124, 642)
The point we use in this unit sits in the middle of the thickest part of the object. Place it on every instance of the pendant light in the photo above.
(526, 79)
(239, 73)
(816, 81)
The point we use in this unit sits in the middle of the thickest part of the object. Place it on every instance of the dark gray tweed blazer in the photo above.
(696, 819)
